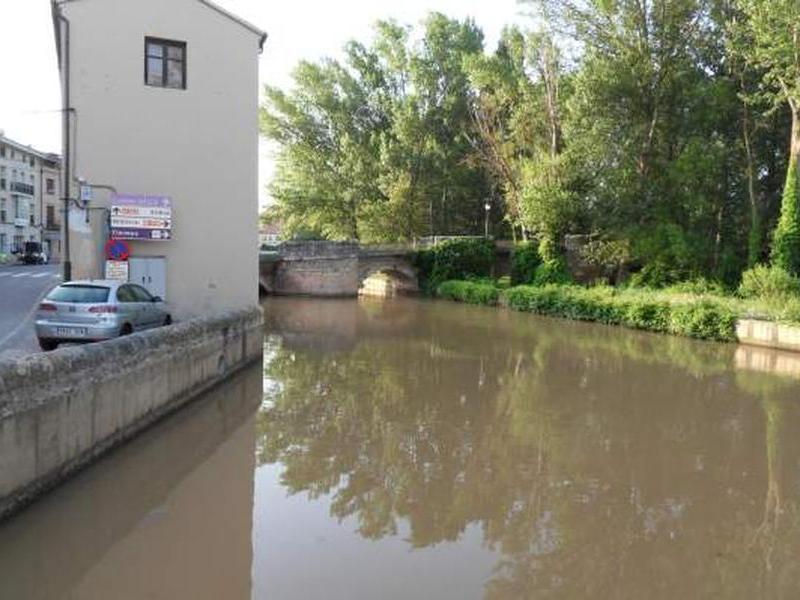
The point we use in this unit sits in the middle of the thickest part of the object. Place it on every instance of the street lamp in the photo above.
(487, 207)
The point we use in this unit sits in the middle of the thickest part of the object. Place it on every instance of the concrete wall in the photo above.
(768, 334)
(93, 537)
(61, 410)
(199, 145)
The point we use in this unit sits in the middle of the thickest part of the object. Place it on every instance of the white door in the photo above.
(150, 273)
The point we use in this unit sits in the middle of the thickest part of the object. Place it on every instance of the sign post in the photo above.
(117, 254)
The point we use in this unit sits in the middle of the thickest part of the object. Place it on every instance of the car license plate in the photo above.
(71, 331)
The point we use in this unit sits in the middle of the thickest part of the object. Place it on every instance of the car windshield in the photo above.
(79, 294)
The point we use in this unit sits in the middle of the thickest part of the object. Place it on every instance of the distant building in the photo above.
(161, 139)
(26, 175)
(269, 234)
(52, 206)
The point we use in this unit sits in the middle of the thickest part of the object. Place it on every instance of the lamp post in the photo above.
(487, 207)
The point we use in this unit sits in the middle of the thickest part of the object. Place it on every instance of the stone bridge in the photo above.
(334, 268)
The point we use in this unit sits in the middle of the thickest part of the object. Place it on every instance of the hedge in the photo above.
(697, 318)
(471, 292)
(701, 319)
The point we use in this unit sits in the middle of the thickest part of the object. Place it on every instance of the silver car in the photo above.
(94, 310)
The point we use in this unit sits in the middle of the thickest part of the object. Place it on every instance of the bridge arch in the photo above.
(387, 278)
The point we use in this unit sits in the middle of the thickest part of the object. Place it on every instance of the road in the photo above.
(21, 288)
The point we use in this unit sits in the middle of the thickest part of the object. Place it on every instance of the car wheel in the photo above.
(48, 345)
(167, 320)
(126, 330)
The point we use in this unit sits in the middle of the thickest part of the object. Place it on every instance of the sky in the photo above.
(298, 30)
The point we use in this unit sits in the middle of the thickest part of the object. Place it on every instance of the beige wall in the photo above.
(53, 236)
(198, 145)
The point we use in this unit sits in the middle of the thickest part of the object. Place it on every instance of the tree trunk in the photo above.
(794, 149)
(754, 236)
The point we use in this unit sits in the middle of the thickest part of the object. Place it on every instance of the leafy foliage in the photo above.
(454, 259)
(702, 319)
(550, 271)
(786, 245)
(662, 125)
(471, 292)
(767, 282)
(525, 260)
(375, 147)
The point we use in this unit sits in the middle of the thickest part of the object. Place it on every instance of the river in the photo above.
(416, 449)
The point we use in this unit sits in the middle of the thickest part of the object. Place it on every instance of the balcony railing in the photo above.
(21, 188)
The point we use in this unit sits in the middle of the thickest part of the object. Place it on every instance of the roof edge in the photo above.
(246, 24)
(29, 149)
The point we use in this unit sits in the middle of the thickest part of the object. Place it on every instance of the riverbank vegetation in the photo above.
(698, 309)
(649, 310)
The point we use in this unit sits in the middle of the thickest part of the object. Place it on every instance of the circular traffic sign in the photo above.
(117, 250)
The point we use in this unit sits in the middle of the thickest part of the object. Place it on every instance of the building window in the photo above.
(165, 63)
(32, 215)
(51, 185)
(51, 216)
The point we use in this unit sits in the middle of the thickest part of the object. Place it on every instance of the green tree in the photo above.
(769, 39)
(375, 147)
(519, 134)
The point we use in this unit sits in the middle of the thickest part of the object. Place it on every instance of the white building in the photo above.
(161, 105)
(26, 178)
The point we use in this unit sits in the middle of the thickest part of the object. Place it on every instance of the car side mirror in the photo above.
(157, 299)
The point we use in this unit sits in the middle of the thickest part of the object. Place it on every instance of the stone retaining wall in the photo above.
(61, 410)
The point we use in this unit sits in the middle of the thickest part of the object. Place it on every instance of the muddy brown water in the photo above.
(413, 449)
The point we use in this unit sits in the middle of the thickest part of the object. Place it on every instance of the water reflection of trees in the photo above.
(595, 469)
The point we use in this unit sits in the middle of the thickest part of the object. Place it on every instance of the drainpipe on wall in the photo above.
(62, 42)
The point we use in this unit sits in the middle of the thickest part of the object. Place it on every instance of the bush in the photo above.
(524, 262)
(552, 271)
(768, 283)
(700, 319)
(454, 260)
(668, 255)
(698, 287)
(470, 292)
(704, 320)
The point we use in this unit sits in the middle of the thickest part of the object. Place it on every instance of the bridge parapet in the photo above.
(316, 250)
